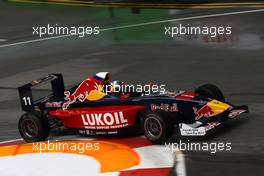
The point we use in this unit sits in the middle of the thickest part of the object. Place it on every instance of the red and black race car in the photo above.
(156, 115)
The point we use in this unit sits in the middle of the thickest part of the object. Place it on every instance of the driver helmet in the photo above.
(105, 77)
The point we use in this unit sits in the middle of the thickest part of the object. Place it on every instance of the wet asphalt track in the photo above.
(141, 54)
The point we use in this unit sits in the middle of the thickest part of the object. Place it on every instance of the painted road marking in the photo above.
(147, 153)
(137, 152)
(41, 165)
(3, 40)
(144, 5)
(107, 153)
(140, 24)
(11, 142)
(35, 40)
(180, 167)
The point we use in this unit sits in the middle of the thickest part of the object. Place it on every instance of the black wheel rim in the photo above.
(153, 127)
(29, 128)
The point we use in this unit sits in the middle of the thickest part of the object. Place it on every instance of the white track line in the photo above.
(180, 167)
(10, 141)
(36, 40)
(3, 40)
(140, 24)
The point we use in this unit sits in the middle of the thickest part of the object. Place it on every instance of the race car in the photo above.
(156, 115)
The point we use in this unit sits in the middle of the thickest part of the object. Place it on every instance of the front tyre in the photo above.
(210, 91)
(156, 127)
(33, 127)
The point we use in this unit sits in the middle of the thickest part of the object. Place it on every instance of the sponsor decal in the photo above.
(86, 132)
(186, 130)
(235, 113)
(53, 104)
(100, 132)
(82, 132)
(112, 132)
(205, 111)
(211, 125)
(107, 120)
(81, 92)
(91, 132)
(165, 107)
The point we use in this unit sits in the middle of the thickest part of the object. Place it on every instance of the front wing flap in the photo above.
(199, 129)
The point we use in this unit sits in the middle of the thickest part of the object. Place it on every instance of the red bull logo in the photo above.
(205, 111)
(81, 92)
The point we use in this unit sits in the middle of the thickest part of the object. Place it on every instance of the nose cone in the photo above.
(218, 107)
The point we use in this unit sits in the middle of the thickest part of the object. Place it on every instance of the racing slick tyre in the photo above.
(156, 127)
(210, 91)
(33, 127)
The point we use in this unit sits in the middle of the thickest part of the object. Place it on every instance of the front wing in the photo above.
(199, 129)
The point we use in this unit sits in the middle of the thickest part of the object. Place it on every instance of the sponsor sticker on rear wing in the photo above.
(25, 92)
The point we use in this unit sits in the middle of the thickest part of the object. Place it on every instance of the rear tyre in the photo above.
(210, 91)
(157, 127)
(33, 127)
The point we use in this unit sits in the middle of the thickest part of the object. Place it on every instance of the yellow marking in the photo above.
(218, 107)
(95, 95)
(99, 87)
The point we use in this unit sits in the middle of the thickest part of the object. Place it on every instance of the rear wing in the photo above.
(25, 92)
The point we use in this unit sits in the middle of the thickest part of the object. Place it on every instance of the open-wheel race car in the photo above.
(156, 115)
